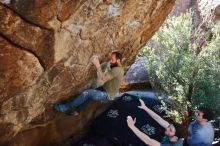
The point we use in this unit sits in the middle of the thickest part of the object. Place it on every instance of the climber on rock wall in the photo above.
(109, 80)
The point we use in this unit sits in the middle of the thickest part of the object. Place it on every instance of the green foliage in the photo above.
(184, 62)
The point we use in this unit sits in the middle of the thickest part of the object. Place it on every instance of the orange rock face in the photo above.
(33, 39)
(45, 47)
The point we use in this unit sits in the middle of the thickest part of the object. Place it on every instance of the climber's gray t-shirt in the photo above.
(112, 86)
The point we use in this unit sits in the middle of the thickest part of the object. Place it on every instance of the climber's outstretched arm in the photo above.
(155, 116)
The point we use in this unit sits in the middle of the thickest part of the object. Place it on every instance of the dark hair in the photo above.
(179, 130)
(207, 113)
(117, 55)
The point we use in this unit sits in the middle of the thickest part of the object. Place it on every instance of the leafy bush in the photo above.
(184, 62)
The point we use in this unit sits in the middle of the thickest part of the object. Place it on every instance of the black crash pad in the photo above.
(111, 126)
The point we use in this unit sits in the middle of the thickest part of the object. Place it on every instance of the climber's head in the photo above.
(115, 59)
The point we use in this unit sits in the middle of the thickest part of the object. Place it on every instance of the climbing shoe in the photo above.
(60, 107)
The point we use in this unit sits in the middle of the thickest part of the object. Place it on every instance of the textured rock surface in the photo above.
(217, 12)
(202, 9)
(137, 73)
(45, 47)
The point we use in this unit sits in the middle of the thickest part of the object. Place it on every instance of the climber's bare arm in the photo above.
(155, 116)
